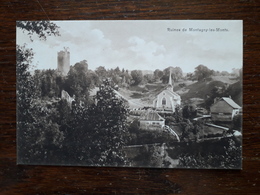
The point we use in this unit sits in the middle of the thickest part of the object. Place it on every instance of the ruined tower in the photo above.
(64, 61)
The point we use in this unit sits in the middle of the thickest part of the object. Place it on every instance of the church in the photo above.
(167, 100)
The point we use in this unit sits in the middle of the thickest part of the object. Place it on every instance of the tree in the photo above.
(117, 71)
(28, 114)
(93, 77)
(189, 76)
(101, 72)
(149, 78)
(236, 72)
(137, 76)
(78, 82)
(127, 78)
(176, 74)
(48, 83)
(224, 154)
(158, 74)
(107, 127)
(202, 72)
(41, 28)
(237, 122)
(189, 111)
(224, 73)
(25, 96)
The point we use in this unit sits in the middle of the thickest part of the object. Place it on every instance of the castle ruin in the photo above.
(64, 61)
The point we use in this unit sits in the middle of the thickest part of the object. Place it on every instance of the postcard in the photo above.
(130, 93)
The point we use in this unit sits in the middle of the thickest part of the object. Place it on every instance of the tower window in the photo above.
(163, 101)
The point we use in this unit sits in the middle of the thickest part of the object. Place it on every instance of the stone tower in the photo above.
(64, 61)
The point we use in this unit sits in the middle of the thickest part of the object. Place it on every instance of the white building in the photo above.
(167, 100)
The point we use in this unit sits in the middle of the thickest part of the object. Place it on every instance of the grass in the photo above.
(137, 95)
(201, 89)
(225, 79)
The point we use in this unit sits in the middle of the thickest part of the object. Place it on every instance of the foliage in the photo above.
(41, 28)
(51, 131)
(148, 78)
(202, 72)
(119, 78)
(101, 72)
(108, 127)
(48, 83)
(79, 81)
(224, 90)
(137, 76)
(158, 74)
(93, 77)
(176, 74)
(126, 78)
(25, 86)
(190, 130)
(189, 111)
(237, 122)
(25, 89)
(190, 76)
(169, 120)
(134, 126)
(228, 155)
(224, 73)
(35, 126)
(41, 134)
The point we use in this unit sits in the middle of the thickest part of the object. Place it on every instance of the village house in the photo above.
(167, 100)
(224, 109)
(151, 120)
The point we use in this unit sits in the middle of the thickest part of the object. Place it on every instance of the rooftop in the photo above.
(230, 102)
(151, 116)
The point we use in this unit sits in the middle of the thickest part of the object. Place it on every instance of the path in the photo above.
(166, 127)
(131, 102)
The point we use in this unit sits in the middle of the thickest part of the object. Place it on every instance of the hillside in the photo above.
(203, 89)
(200, 89)
(143, 95)
(225, 79)
(236, 92)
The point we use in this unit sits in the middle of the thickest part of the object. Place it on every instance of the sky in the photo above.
(143, 44)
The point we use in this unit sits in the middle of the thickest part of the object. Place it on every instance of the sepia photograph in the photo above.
(130, 93)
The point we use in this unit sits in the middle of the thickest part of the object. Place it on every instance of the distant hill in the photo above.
(202, 89)
(145, 72)
(225, 79)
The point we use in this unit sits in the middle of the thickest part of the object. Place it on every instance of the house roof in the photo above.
(230, 102)
(151, 116)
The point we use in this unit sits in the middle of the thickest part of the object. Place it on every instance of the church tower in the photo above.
(167, 100)
(170, 85)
